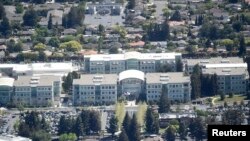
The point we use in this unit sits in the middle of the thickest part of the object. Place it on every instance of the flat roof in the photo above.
(225, 71)
(5, 81)
(214, 60)
(172, 77)
(45, 80)
(239, 65)
(96, 79)
(36, 68)
(132, 55)
(131, 74)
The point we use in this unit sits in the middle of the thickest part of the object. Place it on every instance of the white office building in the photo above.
(37, 90)
(116, 63)
(6, 90)
(95, 89)
(176, 86)
(37, 69)
(105, 88)
(231, 79)
(213, 62)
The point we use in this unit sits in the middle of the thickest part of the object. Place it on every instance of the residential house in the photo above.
(69, 31)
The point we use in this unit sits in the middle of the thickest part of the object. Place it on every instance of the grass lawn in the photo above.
(237, 98)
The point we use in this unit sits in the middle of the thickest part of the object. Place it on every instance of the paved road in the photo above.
(104, 120)
(160, 5)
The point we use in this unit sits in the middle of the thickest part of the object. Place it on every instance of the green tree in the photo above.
(176, 16)
(54, 42)
(2, 11)
(242, 49)
(85, 120)
(222, 96)
(228, 43)
(30, 17)
(19, 8)
(113, 125)
(113, 50)
(196, 82)
(71, 46)
(100, 44)
(131, 4)
(123, 136)
(41, 135)
(183, 132)
(152, 124)
(101, 30)
(126, 123)
(170, 134)
(233, 117)
(79, 127)
(233, 1)
(50, 22)
(75, 17)
(231, 95)
(237, 26)
(95, 121)
(68, 137)
(197, 128)
(179, 65)
(40, 47)
(39, 1)
(164, 104)
(134, 130)
(5, 27)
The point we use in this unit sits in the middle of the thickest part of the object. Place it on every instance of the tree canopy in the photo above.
(30, 17)
(73, 46)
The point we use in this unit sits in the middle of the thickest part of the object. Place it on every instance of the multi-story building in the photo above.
(230, 80)
(105, 88)
(6, 90)
(217, 61)
(176, 86)
(37, 69)
(95, 89)
(37, 90)
(116, 63)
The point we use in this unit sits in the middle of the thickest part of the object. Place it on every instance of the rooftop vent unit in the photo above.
(204, 61)
(225, 61)
(226, 70)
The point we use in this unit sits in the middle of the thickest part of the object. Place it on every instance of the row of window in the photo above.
(103, 97)
(153, 96)
(43, 94)
(176, 96)
(153, 92)
(234, 88)
(154, 86)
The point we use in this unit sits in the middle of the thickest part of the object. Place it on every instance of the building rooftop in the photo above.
(225, 71)
(46, 80)
(5, 81)
(41, 68)
(173, 77)
(96, 79)
(233, 65)
(133, 55)
(131, 74)
(216, 60)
